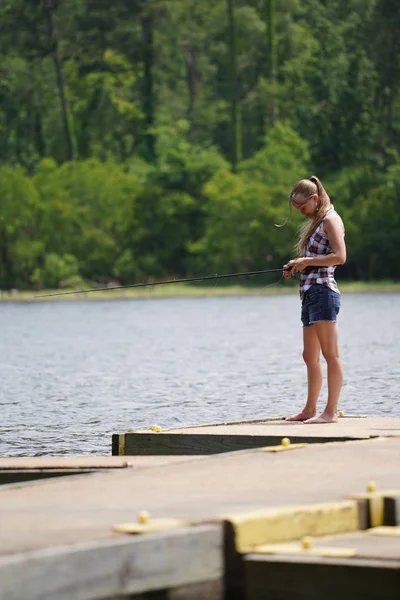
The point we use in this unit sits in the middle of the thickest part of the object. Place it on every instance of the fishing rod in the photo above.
(154, 283)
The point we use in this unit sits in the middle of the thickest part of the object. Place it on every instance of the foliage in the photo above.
(57, 271)
(160, 138)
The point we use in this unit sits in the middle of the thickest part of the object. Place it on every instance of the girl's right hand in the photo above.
(287, 269)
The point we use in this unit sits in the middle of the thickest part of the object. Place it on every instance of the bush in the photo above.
(57, 271)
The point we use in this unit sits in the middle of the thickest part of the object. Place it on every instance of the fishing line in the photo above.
(154, 283)
(215, 285)
(271, 284)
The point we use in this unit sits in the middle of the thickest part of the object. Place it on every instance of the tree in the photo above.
(148, 85)
(234, 95)
(32, 27)
(384, 48)
(272, 51)
(20, 214)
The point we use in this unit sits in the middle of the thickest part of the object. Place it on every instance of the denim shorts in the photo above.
(320, 303)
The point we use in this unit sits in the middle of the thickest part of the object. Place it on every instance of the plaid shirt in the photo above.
(318, 245)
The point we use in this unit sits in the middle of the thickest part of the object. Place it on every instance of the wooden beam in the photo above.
(316, 578)
(18, 475)
(165, 443)
(120, 566)
(376, 500)
(391, 510)
(208, 590)
(274, 525)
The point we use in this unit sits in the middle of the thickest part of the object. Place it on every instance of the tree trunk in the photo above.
(60, 79)
(236, 141)
(190, 61)
(148, 84)
(6, 267)
(272, 55)
(38, 132)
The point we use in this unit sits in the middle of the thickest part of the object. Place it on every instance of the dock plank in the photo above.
(49, 529)
(130, 565)
(70, 463)
(64, 462)
(228, 437)
(85, 508)
(313, 578)
(31, 469)
(366, 544)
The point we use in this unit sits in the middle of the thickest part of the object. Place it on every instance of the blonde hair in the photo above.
(309, 187)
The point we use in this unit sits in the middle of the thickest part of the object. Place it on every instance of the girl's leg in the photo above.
(311, 354)
(327, 333)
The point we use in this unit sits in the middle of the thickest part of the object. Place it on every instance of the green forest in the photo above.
(146, 139)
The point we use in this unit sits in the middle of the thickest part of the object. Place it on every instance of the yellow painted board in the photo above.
(366, 495)
(121, 444)
(296, 548)
(376, 503)
(385, 530)
(282, 448)
(270, 526)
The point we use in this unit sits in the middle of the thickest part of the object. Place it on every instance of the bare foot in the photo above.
(322, 418)
(302, 416)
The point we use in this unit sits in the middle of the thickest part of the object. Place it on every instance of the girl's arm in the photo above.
(333, 228)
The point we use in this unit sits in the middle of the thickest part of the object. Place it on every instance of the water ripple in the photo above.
(73, 373)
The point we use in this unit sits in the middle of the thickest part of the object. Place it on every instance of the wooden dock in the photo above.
(308, 519)
(241, 435)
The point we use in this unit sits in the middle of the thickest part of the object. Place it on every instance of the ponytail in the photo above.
(308, 187)
(324, 204)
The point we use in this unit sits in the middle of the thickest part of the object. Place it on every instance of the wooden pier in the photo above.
(241, 435)
(234, 515)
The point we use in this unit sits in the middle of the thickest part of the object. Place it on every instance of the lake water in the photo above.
(74, 372)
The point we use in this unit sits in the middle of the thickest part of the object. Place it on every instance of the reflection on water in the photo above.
(72, 373)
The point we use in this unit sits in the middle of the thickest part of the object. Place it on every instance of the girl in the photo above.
(321, 247)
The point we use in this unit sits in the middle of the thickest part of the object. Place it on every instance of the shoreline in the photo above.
(181, 290)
